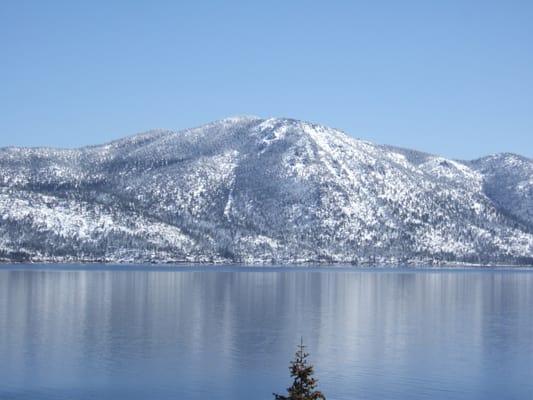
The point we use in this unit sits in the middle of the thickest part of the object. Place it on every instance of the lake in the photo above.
(104, 332)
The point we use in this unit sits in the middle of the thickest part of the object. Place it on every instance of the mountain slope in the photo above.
(508, 182)
(255, 190)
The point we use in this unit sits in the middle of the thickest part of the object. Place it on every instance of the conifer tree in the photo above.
(303, 386)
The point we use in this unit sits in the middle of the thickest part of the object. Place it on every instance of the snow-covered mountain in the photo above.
(262, 190)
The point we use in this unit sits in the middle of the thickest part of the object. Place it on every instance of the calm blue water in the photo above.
(229, 333)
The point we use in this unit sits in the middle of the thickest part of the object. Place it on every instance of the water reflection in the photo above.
(229, 333)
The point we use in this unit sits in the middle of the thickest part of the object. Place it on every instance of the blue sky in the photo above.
(451, 77)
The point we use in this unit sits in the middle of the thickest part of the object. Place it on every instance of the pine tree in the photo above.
(303, 386)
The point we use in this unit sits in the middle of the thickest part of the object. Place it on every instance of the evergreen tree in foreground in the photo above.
(303, 386)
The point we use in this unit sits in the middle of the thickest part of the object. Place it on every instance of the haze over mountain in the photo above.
(258, 190)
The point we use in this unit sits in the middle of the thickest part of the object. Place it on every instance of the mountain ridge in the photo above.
(277, 190)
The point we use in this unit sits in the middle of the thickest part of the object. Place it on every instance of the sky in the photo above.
(448, 77)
